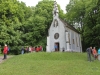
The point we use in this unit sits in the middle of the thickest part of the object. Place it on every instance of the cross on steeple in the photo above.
(55, 9)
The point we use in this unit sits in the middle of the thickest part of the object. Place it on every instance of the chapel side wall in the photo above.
(78, 42)
(72, 41)
(69, 31)
(75, 41)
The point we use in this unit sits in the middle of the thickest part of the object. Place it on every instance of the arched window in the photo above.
(55, 23)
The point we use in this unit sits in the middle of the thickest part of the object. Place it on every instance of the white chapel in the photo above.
(62, 37)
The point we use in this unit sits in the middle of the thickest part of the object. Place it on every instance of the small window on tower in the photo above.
(55, 23)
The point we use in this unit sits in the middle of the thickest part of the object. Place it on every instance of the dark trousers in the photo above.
(89, 56)
(5, 56)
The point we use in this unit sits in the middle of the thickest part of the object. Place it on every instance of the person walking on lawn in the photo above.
(94, 51)
(5, 51)
(89, 53)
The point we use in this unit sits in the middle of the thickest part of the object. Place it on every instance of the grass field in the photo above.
(56, 63)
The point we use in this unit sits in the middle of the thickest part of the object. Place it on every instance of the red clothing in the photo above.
(5, 50)
(40, 48)
(94, 52)
(37, 49)
(32, 48)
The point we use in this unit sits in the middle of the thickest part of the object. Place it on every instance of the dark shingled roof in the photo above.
(69, 26)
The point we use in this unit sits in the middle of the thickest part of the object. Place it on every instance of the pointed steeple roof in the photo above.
(55, 9)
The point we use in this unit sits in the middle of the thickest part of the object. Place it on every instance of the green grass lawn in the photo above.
(56, 63)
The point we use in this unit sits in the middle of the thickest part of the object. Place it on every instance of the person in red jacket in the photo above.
(37, 49)
(5, 51)
(94, 52)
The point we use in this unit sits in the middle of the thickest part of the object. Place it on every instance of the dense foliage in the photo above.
(21, 25)
(84, 14)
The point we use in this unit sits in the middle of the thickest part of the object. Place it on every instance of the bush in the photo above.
(16, 50)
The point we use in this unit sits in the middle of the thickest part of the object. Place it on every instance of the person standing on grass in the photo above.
(89, 52)
(22, 50)
(56, 47)
(26, 49)
(94, 52)
(5, 51)
(8, 50)
(99, 54)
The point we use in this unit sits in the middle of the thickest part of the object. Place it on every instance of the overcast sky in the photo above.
(62, 3)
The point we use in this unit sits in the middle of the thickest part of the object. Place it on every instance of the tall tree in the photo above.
(84, 14)
(9, 22)
(22, 25)
(37, 25)
(92, 23)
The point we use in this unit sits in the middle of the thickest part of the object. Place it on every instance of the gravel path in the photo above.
(1, 57)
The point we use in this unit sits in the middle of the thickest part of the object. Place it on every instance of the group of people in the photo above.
(23, 50)
(31, 49)
(92, 53)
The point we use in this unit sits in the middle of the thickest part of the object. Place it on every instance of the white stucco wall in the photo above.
(63, 38)
(61, 30)
(76, 47)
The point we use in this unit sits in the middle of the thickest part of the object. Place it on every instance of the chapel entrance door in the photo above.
(56, 46)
